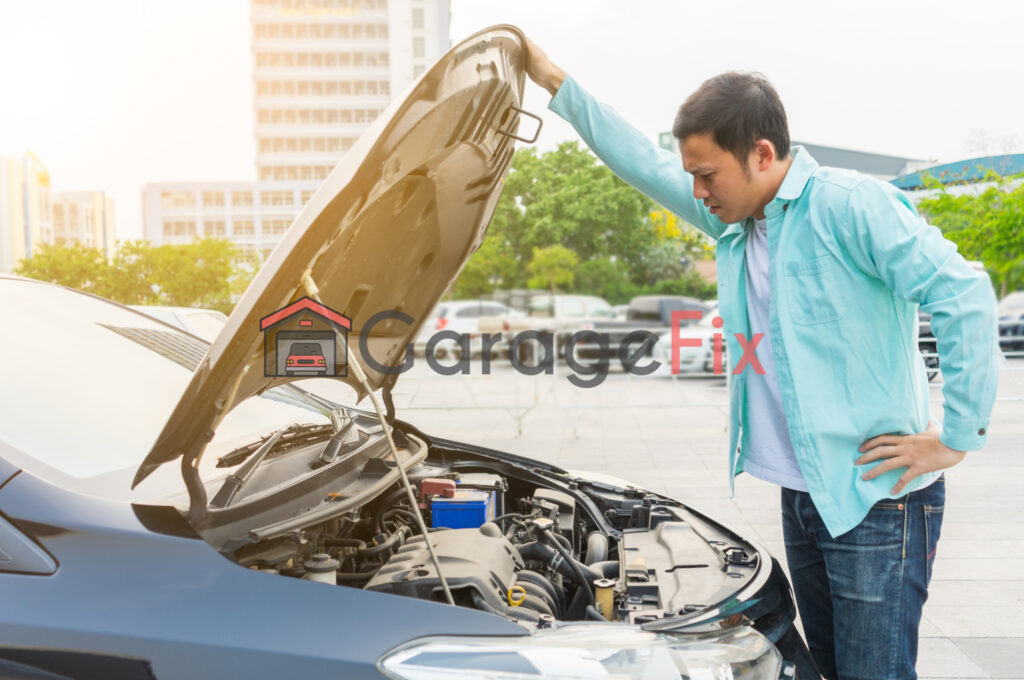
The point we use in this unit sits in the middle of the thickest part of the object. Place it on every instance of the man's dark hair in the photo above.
(737, 109)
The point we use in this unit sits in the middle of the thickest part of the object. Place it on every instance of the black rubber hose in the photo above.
(554, 593)
(597, 547)
(593, 614)
(388, 514)
(389, 543)
(537, 593)
(344, 543)
(581, 580)
(563, 540)
(606, 569)
(536, 603)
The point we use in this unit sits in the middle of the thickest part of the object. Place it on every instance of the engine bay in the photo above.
(512, 537)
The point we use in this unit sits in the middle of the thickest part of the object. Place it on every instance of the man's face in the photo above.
(719, 179)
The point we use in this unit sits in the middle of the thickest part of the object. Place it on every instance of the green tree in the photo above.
(552, 267)
(72, 265)
(987, 226)
(197, 274)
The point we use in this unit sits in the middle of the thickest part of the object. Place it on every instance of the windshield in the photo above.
(88, 385)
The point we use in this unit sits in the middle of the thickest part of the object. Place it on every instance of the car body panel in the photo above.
(389, 229)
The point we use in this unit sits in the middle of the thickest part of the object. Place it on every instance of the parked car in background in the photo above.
(926, 344)
(206, 323)
(693, 360)
(557, 316)
(651, 313)
(462, 316)
(1011, 323)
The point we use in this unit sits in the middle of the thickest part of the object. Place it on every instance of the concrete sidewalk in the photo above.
(669, 435)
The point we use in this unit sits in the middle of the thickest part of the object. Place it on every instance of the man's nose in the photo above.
(700, 192)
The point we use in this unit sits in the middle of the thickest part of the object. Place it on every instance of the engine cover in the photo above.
(470, 560)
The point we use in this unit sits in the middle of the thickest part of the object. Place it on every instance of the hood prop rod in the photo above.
(314, 292)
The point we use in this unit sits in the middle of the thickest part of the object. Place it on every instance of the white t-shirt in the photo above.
(769, 454)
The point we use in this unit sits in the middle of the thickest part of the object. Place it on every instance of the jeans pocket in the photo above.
(932, 528)
(884, 527)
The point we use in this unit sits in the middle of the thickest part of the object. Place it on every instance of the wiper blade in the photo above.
(289, 437)
(236, 480)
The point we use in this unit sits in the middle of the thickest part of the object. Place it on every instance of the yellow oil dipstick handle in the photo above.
(516, 595)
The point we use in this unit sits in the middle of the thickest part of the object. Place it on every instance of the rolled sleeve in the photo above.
(889, 240)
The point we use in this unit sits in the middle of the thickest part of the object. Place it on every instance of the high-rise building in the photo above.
(32, 214)
(323, 70)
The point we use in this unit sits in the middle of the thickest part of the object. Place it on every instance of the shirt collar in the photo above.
(799, 173)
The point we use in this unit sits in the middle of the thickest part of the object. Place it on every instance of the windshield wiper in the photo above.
(289, 437)
(237, 479)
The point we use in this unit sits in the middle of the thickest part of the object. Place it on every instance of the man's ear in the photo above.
(764, 152)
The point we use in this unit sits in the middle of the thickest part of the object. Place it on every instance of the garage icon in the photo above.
(300, 340)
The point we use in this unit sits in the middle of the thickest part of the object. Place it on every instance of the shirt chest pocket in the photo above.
(813, 290)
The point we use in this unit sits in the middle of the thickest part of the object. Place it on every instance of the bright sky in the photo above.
(112, 94)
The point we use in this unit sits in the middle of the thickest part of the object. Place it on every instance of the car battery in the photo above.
(468, 509)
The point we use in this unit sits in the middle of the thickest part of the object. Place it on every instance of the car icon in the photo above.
(305, 358)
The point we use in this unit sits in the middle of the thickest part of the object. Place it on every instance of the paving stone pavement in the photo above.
(669, 435)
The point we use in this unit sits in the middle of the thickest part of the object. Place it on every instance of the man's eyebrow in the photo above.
(698, 170)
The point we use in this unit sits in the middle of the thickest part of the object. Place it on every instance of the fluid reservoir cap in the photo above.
(542, 523)
(321, 563)
(604, 583)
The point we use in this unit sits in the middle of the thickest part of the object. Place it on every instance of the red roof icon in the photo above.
(310, 304)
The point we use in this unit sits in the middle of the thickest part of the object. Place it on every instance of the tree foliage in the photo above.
(987, 226)
(203, 273)
(566, 200)
(552, 267)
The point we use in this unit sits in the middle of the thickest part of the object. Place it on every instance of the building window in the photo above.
(177, 199)
(213, 199)
(244, 228)
(417, 18)
(276, 198)
(419, 47)
(306, 195)
(417, 70)
(275, 227)
(214, 228)
(241, 199)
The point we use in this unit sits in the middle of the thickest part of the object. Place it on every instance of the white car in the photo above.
(205, 323)
(699, 359)
(461, 316)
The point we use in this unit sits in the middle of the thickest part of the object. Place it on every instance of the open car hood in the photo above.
(389, 229)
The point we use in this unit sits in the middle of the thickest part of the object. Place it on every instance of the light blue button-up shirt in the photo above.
(851, 261)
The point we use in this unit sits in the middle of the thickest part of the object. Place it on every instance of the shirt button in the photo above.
(785, 206)
(981, 431)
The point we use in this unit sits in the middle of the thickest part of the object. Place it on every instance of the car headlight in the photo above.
(594, 650)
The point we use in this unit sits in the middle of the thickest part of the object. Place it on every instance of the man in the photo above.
(820, 274)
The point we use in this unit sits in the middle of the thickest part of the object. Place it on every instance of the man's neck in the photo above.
(777, 175)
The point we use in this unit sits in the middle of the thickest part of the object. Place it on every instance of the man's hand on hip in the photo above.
(541, 69)
(918, 453)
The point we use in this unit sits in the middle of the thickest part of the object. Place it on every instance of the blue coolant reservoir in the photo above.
(468, 509)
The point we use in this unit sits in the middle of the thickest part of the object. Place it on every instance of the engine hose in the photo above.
(385, 516)
(389, 543)
(597, 547)
(556, 595)
(607, 568)
(537, 594)
(346, 577)
(563, 540)
(344, 543)
(593, 614)
(537, 604)
(577, 572)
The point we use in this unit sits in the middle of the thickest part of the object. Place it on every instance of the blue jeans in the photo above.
(860, 594)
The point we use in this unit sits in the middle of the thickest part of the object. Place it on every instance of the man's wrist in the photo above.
(554, 80)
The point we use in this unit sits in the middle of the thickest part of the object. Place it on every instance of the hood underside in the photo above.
(389, 230)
